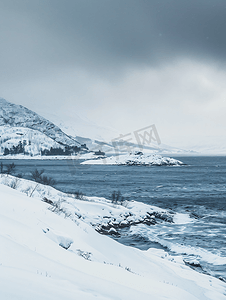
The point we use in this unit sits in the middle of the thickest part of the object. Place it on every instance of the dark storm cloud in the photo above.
(105, 34)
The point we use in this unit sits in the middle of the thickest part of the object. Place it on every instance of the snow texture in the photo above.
(19, 116)
(34, 140)
(45, 255)
(137, 158)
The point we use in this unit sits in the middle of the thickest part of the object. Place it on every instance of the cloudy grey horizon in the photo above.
(121, 65)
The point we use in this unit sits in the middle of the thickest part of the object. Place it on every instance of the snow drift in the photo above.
(45, 255)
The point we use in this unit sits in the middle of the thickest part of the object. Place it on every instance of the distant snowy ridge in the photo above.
(19, 116)
(110, 149)
(137, 158)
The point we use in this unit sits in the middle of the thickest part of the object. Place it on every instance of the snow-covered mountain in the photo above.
(37, 134)
(110, 149)
(32, 141)
(100, 138)
(77, 125)
(19, 116)
(22, 131)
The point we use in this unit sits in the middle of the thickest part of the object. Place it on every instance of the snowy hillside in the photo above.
(47, 255)
(33, 141)
(110, 149)
(79, 126)
(19, 116)
(137, 158)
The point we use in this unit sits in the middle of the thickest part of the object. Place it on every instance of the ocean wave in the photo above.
(179, 249)
(180, 218)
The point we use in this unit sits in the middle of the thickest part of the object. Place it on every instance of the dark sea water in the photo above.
(197, 191)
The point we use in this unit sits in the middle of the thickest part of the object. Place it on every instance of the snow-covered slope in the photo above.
(48, 256)
(33, 141)
(76, 125)
(104, 215)
(137, 158)
(108, 147)
(19, 116)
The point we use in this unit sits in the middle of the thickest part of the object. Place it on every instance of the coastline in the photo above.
(34, 242)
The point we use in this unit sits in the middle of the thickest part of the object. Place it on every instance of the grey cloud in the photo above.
(103, 34)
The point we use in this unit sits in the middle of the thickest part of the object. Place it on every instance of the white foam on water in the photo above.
(180, 218)
(200, 253)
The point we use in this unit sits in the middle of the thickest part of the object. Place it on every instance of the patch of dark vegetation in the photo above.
(7, 169)
(19, 149)
(117, 198)
(67, 150)
(53, 151)
(78, 195)
(38, 176)
(48, 201)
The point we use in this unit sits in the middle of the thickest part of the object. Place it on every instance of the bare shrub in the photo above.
(47, 180)
(117, 198)
(48, 201)
(27, 190)
(57, 208)
(10, 168)
(37, 176)
(78, 195)
(1, 168)
(14, 183)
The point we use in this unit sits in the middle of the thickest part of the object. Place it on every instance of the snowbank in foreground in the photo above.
(44, 255)
(137, 158)
(106, 217)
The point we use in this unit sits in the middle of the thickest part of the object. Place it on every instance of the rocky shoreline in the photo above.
(111, 227)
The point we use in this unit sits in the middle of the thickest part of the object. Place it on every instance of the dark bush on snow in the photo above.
(117, 198)
(37, 176)
(78, 195)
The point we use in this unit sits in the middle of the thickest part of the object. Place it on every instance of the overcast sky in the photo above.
(123, 64)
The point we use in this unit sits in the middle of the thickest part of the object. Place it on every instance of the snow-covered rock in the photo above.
(58, 237)
(137, 158)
